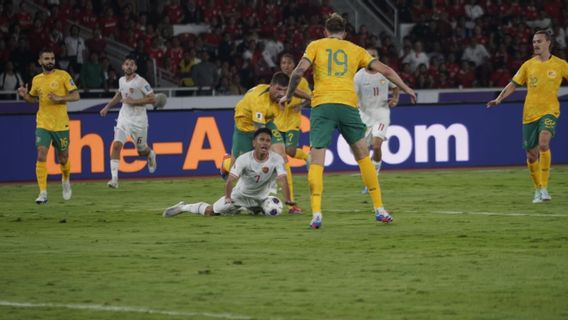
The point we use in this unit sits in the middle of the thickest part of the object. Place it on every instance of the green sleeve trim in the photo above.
(370, 62)
(516, 83)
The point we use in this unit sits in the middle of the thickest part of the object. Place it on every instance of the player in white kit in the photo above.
(255, 171)
(374, 107)
(136, 95)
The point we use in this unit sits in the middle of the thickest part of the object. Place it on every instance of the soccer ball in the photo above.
(161, 100)
(272, 206)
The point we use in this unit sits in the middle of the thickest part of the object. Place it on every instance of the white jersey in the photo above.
(373, 93)
(255, 177)
(136, 88)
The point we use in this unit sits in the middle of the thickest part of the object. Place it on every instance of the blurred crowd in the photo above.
(453, 43)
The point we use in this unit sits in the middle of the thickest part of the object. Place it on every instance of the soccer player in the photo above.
(374, 107)
(136, 95)
(542, 74)
(53, 88)
(255, 171)
(334, 105)
(255, 110)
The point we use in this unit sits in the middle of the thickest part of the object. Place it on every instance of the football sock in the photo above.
(534, 170)
(114, 169)
(290, 181)
(545, 160)
(65, 170)
(315, 180)
(41, 175)
(377, 165)
(227, 164)
(300, 154)
(369, 176)
(198, 208)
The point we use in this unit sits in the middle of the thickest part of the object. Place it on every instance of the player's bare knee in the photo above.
(42, 154)
(116, 146)
(63, 158)
(143, 150)
(291, 151)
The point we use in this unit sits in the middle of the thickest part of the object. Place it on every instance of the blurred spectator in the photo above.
(416, 57)
(92, 74)
(142, 59)
(204, 73)
(76, 48)
(475, 53)
(95, 44)
(189, 60)
(9, 79)
(500, 77)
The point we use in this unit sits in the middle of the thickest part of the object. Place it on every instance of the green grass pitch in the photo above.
(465, 244)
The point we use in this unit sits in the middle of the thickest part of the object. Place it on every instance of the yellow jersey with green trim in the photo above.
(255, 107)
(542, 78)
(335, 63)
(290, 118)
(52, 116)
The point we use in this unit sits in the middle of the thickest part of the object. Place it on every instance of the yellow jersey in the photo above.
(52, 116)
(290, 119)
(335, 63)
(542, 78)
(255, 107)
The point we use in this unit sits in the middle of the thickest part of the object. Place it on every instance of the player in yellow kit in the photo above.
(53, 88)
(334, 105)
(256, 109)
(542, 74)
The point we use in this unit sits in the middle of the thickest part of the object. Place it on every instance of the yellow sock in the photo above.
(545, 160)
(300, 154)
(371, 181)
(65, 170)
(290, 181)
(226, 164)
(534, 170)
(315, 180)
(41, 175)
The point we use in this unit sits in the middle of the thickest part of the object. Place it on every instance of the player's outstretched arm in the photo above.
(110, 104)
(23, 92)
(283, 181)
(390, 74)
(229, 187)
(507, 91)
(295, 79)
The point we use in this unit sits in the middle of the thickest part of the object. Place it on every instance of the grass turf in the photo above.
(465, 244)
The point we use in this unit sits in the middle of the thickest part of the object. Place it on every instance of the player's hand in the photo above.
(23, 90)
(283, 101)
(412, 95)
(228, 200)
(297, 107)
(103, 111)
(55, 98)
(493, 103)
(129, 101)
(393, 102)
(290, 203)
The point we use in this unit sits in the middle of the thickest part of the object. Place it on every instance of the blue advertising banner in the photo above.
(191, 143)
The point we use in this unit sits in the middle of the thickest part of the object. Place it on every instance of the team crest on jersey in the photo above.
(382, 82)
(551, 74)
(53, 85)
(265, 169)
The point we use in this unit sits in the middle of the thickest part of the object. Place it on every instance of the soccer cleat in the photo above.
(66, 186)
(365, 190)
(152, 164)
(173, 210)
(295, 210)
(316, 221)
(113, 184)
(537, 196)
(382, 215)
(544, 195)
(224, 173)
(42, 198)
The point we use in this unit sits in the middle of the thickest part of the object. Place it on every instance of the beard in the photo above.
(48, 67)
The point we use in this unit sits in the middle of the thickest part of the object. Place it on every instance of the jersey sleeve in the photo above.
(238, 166)
(68, 82)
(520, 78)
(145, 87)
(33, 90)
(280, 171)
(310, 52)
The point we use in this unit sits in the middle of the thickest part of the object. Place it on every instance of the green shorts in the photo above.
(59, 139)
(242, 142)
(291, 137)
(276, 136)
(532, 130)
(328, 116)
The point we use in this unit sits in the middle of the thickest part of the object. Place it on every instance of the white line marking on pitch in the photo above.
(503, 214)
(125, 309)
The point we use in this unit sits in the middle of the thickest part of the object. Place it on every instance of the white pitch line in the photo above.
(503, 214)
(124, 309)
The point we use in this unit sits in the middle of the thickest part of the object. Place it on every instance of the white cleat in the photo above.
(113, 184)
(173, 210)
(537, 197)
(42, 198)
(152, 164)
(544, 195)
(67, 192)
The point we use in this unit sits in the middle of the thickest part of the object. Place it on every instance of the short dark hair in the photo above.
(280, 78)
(262, 130)
(335, 23)
(130, 57)
(45, 50)
(545, 33)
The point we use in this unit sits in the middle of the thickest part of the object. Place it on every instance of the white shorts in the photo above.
(239, 202)
(139, 135)
(377, 130)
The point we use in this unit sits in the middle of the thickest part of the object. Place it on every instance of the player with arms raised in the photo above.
(334, 105)
(136, 95)
(255, 171)
(374, 107)
(542, 74)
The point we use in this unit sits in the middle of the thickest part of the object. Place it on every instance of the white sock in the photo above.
(114, 169)
(151, 154)
(377, 165)
(198, 208)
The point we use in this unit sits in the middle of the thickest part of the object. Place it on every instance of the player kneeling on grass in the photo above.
(135, 94)
(255, 172)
